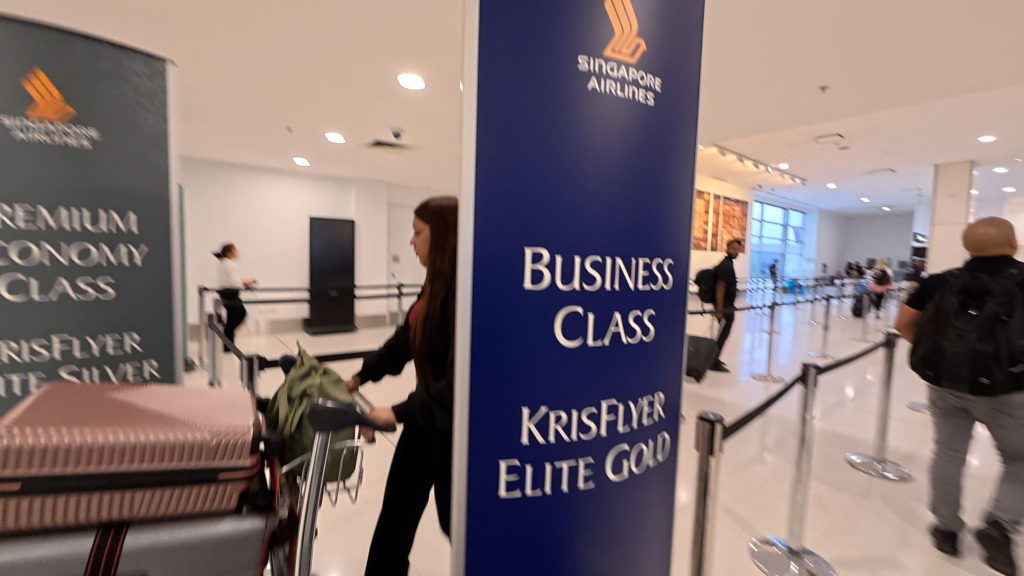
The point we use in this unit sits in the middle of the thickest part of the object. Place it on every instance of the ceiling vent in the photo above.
(835, 139)
(881, 172)
(393, 143)
(387, 144)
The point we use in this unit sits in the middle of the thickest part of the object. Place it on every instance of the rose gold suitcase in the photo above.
(74, 455)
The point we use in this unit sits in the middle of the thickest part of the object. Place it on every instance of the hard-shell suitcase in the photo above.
(76, 455)
(858, 306)
(700, 355)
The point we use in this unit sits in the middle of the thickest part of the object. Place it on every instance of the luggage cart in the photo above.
(302, 483)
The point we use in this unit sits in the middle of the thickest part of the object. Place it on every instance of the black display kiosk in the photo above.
(331, 276)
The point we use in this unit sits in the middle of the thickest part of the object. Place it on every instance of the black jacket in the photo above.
(430, 404)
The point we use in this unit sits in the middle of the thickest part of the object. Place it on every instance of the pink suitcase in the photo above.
(74, 455)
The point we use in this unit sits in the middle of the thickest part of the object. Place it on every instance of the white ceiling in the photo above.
(910, 84)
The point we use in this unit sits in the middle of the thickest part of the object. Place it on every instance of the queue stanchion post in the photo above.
(813, 293)
(710, 432)
(213, 355)
(826, 323)
(401, 310)
(767, 376)
(250, 366)
(790, 557)
(203, 345)
(878, 464)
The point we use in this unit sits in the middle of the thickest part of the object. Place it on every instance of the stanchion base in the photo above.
(920, 407)
(775, 558)
(768, 378)
(878, 468)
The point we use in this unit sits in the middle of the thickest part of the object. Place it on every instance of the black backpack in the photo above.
(970, 337)
(705, 280)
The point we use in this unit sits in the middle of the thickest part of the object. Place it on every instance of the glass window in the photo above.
(773, 231)
(778, 232)
(774, 214)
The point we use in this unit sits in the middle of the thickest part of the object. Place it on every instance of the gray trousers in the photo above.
(954, 414)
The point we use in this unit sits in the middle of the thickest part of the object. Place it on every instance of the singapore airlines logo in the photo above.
(626, 46)
(615, 73)
(47, 120)
(49, 105)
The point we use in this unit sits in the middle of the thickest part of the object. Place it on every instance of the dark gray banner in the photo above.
(86, 278)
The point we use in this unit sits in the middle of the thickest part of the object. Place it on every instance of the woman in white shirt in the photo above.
(229, 284)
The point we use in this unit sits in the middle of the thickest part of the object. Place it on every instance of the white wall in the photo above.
(878, 236)
(266, 213)
(701, 259)
(831, 240)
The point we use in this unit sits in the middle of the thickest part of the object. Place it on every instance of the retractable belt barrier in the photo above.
(252, 364)
(816, 290)
(777, 556)
(401, 291)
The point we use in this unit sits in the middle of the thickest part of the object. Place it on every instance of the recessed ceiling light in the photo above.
(783, 166)
(831, 186)
(411, 81)
(987, 139)
(865, 200)
(886, 208)
(334, 138)
(1000, 170)
(300, 161)
(975, 192)
(1009, 189)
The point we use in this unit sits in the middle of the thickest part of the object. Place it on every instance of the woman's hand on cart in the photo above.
(328, 416)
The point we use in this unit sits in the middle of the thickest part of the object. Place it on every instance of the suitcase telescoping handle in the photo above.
(328, 416)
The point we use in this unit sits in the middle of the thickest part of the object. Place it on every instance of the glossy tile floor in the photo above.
(863, 526)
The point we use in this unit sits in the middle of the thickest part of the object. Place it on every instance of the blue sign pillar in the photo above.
(580, 137)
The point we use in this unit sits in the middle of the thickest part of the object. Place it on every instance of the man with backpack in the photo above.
(967, 331)
(725, 298)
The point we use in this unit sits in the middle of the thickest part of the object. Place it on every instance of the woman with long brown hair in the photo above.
(423, 456)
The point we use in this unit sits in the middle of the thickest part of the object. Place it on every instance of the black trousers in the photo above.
(877, 299)
(727, 320)
(235, 310)
(423, 460)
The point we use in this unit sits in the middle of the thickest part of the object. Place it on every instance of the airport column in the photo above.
(89, 282)
(951, 211)
(579, 146)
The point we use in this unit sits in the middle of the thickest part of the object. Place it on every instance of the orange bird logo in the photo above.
(626, 46)
(49, 105)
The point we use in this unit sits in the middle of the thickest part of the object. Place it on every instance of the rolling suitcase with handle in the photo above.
(700, 355)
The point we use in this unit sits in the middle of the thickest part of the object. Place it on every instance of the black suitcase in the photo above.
(701, 353)
(858, 306)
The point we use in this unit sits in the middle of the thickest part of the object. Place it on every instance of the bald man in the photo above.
(967, 327)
